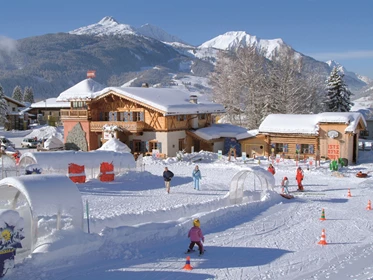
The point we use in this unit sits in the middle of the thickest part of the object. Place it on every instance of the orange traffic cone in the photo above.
(322, 215)
(369, 206)
(187, 265)
(349, 193)
(323, 238)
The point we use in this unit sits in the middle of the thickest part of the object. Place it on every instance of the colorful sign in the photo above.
(333, 151)
(220, 154)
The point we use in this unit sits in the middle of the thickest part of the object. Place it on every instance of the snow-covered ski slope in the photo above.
(140, 231)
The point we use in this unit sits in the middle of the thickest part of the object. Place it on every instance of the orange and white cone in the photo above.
(349, 193)
(323, 238)
(187, 265)
(369, 206)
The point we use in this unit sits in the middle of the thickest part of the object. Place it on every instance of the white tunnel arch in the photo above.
(260, 181)
(41, 196)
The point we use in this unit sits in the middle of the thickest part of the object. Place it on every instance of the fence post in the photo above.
(87, 210)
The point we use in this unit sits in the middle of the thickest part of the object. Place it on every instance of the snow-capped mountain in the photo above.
(234, 39)
(109, 26)
(106, 26)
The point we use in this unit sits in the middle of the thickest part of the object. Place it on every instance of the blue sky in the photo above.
(323, 29)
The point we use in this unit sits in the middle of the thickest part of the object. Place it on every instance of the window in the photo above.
(364, 133)
(305, 149)
(135, 116)
(136, 146)
(181, 118)
(79, 105)
(181, 144)
(202, 116)
(13, 109)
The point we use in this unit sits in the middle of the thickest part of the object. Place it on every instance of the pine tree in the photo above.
(28, 95)
(3, 107)
(17, 94)
(338, 97)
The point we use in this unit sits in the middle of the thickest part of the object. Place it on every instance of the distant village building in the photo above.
(144, 118)
(48, 110)
(16, 118)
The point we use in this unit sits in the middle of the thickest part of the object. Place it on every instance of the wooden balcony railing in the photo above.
(74, 114)
(133, 127)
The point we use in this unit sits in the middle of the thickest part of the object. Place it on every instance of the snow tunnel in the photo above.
(45, 202)
(250, 184)
(91, 160)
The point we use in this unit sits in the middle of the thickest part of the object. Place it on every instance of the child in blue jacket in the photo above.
(196, 177)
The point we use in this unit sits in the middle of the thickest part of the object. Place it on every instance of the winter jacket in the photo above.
(195, 234)
(299, 176)
(167, 175)
(285, 183)
(272, 170)
(196, 174)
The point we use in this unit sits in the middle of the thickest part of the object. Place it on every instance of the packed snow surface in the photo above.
(140, 231)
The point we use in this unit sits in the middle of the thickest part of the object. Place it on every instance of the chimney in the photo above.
(145, 85)
(193, 99)
(91, 74)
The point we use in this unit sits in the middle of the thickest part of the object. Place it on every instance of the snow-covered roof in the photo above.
(80, 91)
(92, 159)
(168, 100)
(50, 103)
(217, 131)
(308, 124)
(18, 103)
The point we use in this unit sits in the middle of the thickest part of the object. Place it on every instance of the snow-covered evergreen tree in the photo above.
(17, 94)
(28, 95)
(3, 107)
(338, 98)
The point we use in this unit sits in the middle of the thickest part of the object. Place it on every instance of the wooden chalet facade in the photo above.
(325, 135)
(145, 119)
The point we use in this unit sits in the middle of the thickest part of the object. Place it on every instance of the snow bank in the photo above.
(116, 146)
(46, 132)
(53, 143)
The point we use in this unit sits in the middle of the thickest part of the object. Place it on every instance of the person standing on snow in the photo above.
(299, 177)
(196, 177)
(167, 176)
(271, 169)
(285, 184)
(196, 237)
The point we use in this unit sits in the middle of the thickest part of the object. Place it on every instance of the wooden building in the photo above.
(325, 135)
(145, 119)
(16, 118)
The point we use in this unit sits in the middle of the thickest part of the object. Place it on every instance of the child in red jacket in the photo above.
(196, 237)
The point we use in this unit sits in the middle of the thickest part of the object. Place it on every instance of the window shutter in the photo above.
(125, 116)
(147, 146)
(159, 145)
(115, 116)
(131, 116)
(101, 116)
(131, 145)
(142, 116)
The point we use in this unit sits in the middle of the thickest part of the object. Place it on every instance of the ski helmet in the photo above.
(285, 178)
(196, 223)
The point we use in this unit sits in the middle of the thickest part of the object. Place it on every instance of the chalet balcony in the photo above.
(133, 127)
(74, 114)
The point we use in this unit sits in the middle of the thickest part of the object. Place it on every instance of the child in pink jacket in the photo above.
(196, 236)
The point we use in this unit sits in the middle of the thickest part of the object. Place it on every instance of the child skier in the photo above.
(196, 236)
(299, 177)
(271, 169)
(285, 184)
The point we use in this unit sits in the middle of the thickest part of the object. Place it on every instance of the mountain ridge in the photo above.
(121, 53)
